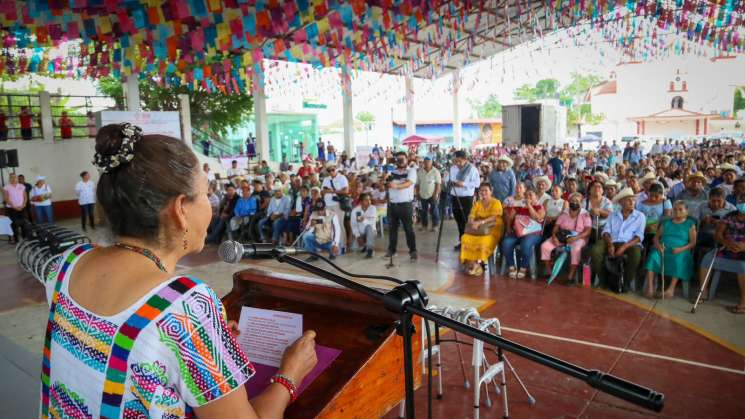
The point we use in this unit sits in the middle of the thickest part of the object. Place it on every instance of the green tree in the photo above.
(579, 112)
(739, 100)
(489, 108)
(367, 120)
(543, 89)
(214, 111)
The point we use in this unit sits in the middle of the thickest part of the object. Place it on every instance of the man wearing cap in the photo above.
(323, 231)
(428, 184)
(276, 214)
(464, 178)
(400, 185)
(622, 236)
(502, 179)
(335, 188)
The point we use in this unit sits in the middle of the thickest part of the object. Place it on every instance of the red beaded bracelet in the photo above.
(286, 383)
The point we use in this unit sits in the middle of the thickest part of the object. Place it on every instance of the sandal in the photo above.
(478, 270)
(521, 273)
(512, 272)
(738, 309)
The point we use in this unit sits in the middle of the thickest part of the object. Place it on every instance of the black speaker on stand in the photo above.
(12, 158)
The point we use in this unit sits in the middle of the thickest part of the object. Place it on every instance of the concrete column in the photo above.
(410, 117)
(47, 123)
(185, 116)
(347, 118)
(260, 117)
(457, 137)
(132, 93)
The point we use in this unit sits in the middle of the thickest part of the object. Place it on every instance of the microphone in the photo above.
(231, 251)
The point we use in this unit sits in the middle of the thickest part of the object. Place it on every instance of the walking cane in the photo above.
(662, 270)
(706, 280)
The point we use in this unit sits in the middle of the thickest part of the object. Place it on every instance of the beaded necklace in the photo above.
(144, 252)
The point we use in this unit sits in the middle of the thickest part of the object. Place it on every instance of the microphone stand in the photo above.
(409, 299)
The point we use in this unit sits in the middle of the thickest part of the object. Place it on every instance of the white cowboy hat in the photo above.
(649, 176)
(727, 166)
(611, 183)
(625, 193)
(543, 178)
(602, 177)
(506, 159)
(330, 164)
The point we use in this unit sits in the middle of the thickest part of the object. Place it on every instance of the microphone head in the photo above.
(230, 251)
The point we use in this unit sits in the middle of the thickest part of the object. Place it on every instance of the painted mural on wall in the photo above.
(473, 133)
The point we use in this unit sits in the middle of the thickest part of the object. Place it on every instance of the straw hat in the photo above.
(543, 178)
(506, 159)
(601, 177)
(611, 183)
(648, 177)
(724, 167)
(625, 193)
(330, 164)
(698, 175)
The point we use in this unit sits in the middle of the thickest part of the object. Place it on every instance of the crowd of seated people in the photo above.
(626, 215)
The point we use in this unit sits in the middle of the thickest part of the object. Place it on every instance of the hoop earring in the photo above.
(186, 242)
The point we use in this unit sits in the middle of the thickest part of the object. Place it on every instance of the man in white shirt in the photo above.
(400, 205)
(234, 171)
(335, 187)
(208, 172)
(428, 186)
(85, 190)
(464, 179)
(363, 221)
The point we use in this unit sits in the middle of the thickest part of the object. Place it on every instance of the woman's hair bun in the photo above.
(109, 140)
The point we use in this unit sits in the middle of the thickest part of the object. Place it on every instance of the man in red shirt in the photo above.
(26, 118)
(65, 124)
(306, 169)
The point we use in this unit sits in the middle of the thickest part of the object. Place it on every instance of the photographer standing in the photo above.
(400, 205)
(464, 179)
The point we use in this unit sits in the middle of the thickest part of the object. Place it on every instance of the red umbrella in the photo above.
(414, 140)
(418, 139)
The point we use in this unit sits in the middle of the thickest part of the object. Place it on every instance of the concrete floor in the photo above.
(697, 360)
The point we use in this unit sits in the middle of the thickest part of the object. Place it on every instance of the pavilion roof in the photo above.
(220, 44)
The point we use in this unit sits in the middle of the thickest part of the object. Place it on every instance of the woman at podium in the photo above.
(126, 336)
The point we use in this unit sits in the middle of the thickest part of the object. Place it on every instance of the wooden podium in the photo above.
(367, 379)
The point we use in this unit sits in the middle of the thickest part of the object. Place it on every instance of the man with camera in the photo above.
(364, 216)
(323, 232)
(336, 195)
(400, 185)
(464, 179)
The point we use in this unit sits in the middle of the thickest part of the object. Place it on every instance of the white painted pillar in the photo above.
(410, 121)
(457, 137)
(132, 93)
(260, 117)
(45, 109)
(185, 116)
(347, 118)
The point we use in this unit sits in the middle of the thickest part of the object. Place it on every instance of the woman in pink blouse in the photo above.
(572, 229)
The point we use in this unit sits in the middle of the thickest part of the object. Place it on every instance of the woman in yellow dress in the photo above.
(476, 249)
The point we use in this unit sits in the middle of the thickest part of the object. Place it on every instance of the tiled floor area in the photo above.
(696, 360)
